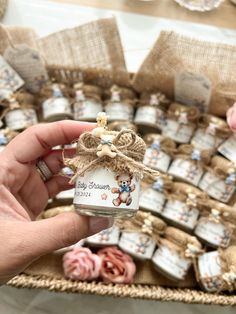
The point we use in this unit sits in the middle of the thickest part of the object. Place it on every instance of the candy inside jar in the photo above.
(87, 102)
(180, 123)
(119, 104)
(108, 168)
(151, 113)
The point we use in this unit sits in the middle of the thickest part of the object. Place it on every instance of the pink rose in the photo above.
(117, 267)
(231, 117)
(81, 264)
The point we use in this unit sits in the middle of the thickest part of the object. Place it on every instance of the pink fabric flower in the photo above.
(231, 117)
(117, 267)
(81, 264)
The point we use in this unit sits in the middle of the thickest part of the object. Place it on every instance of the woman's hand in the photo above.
(23, 195)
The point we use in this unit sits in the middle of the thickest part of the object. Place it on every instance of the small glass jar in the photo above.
(181, 209)
(188, 164)
(87, 103)
(219, 181)
(159, 152)
(57, 106)
(104, 238)
(153, 195)
(150, 115)
(228, 148)
(119, 104)
(215, 228)
(211, 133)
(140, 235)
(176, 253)
(180, 123)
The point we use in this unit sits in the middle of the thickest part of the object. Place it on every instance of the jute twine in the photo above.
(129, 149)
(125, 95)
(188, 152)
(88, 91)
(47, 91)
(188, 194)
(219, 126)
(156, 99)
(228, 267)
(167, 145)
(144, 223)
(166, 182)
(221, 167)
(175, 110)
(122, 125)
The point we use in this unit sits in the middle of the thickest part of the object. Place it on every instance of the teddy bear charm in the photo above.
(107, 171)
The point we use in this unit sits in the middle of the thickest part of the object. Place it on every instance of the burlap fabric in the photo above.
(167, 145)
(94, 48)
(3, 6)
(174, 53)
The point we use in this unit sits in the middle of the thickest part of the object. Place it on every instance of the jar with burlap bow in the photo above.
(228, 148)
(216, 227)
(211, 132)
(6, 135)
(108, 168)
(181, 123)
(177, 252)
(151, 113)
(119, 103)
(140, 235)
(105, 237)
(189, 164)
(87, 102)
(182, 207)
(219, 181)
(55, 101)
(19, 112)
(160, 151)
(216, 270)
(153, 194)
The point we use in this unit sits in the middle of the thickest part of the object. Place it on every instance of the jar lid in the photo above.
(188, 151)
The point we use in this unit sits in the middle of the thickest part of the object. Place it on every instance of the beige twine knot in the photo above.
(230, 277)
(193, 251)
(216, 215)
(147, 226)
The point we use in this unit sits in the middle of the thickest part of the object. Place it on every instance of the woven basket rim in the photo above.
(137, 291)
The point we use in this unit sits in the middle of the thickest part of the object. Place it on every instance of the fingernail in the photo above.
(97, 224)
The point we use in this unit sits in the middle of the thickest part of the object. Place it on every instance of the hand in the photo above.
(23, 195)
(231, 117)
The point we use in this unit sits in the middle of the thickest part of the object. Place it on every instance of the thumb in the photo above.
(62, 230)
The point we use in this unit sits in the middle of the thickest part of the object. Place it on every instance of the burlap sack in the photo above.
(174, 53)
(94, 48)
(13, 35)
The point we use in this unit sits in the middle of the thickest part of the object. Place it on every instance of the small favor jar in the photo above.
(87, 103)
(216, 225)
(189, 164)
(151, 113)
(181, 123)
(56, 104)
(228, 148)
(160, 151)
(219, 180)
(181, 209)
(140, 235)
(119, 104)
(211, 132)
(217, 271)
(108, 168)
(20, 113)
(153, 194)
(105, 237)
(176, 253)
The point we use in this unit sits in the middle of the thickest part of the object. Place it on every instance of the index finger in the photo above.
(39, 139)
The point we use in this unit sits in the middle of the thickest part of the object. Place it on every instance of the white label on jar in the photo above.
(212, 232)
(193, 89)
(216, 188)
(186, 170)
(54, 106)
(119, 111)
(151, 200)
(69, 194)
(87, 109)
(171, 262)
(137, 244)
(21, 118)
(105, 237)
(210, 271)
(150, 115)
(180, 133)
(180, 213)
(103, 188)
(202, 140)
(156, 159)
(228, 148)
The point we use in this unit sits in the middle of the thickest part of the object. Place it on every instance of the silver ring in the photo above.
(44, 171)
